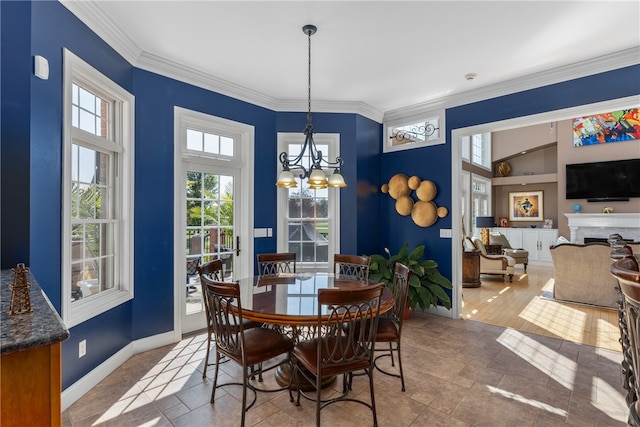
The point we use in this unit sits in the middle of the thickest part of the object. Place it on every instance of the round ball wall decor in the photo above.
(399, 186)
(424, 214)
(404, 205)
(424, 211)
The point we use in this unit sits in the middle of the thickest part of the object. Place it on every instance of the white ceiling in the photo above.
(379, 55)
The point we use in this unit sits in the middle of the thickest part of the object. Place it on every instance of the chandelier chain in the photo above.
(309, 77)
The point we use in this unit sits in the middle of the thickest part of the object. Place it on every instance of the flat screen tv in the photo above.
(604, 181)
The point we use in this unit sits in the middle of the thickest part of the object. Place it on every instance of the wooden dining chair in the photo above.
(627, 272)
(345, 344)
(390, 324)
(351, 266)
(213, 270)
(247, 347)
(276, 263)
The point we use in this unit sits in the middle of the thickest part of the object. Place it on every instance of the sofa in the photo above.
(582, 274)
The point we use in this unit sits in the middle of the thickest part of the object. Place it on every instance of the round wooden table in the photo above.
(290, 301)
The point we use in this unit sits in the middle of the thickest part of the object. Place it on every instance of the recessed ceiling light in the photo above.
(470, 76)
(524, 152)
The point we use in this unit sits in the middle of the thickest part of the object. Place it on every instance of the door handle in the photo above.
(237, 245)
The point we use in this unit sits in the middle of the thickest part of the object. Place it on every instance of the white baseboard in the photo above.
(78, 389)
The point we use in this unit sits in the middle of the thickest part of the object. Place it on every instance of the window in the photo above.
(404, 135)
(308, 221)
(480, 199)
(98, 192)
(476, 149)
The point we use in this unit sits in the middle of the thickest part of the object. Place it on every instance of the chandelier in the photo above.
(316, 177)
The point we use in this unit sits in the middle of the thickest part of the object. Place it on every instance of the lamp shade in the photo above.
(485, 222)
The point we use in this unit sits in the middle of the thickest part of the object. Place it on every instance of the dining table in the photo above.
(289, 303)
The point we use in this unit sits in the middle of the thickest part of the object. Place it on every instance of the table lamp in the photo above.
(485, 222)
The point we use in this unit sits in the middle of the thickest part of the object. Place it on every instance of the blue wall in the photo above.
(15, 86)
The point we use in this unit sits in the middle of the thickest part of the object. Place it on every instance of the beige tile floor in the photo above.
(458, 373)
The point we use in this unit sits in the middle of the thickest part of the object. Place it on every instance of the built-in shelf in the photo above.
(525, 179)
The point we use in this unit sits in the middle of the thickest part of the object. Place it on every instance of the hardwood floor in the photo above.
(519, 305)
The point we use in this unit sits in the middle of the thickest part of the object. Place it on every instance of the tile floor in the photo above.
(458, 373)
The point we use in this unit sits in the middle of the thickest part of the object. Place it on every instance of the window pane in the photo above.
(87, 101)
(194, 212)
(75, 116)
(194, 185)
(226, 146)
(87, 122)
(86, 164)
(211, 143)
(194, 140)
(90, 112)
(210, 214)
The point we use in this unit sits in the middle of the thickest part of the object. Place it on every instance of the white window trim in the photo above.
(387, 147)
(243, 158)
(333, 141)
(75, 69)
(189, 119)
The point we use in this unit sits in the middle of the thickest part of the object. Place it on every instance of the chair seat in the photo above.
(517, 254)
(262, 344)
(387, 330)
(306, 353)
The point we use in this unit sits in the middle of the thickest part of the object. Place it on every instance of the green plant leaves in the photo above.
(426, 285)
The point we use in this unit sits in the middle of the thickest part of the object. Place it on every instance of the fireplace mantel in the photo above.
(601, 225)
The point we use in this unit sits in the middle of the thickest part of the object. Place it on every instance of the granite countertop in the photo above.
(41, 327)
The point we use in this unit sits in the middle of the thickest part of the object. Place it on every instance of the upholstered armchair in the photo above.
(520, 255)
(494, 264)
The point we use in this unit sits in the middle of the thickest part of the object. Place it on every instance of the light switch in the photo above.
(445, 233)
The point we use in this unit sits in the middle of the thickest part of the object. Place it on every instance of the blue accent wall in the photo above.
(15, 86)
(429, 163)
(156, 97)
(367, 186)
(53, 28)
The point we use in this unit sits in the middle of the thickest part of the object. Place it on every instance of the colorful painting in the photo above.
(526, 206)
(616, 126)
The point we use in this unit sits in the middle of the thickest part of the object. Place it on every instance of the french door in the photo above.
(211, 207)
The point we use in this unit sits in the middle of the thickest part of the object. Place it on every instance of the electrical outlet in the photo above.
(82, 348)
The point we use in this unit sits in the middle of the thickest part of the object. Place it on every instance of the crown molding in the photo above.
(601, 64)
(190, 75)
(349, 107)
(91, 14)
(93, 17)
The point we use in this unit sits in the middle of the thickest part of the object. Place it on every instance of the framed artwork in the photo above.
(603, 128)
(503, 222)
(526, 206)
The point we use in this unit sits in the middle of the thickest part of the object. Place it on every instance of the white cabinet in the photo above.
(513, 235)
(537, 242)
(534, 240)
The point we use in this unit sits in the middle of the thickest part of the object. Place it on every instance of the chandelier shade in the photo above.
(313, 172)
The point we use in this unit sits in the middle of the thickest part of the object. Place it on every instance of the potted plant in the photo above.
(426, 286)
